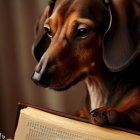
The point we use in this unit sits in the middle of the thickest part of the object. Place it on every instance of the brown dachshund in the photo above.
(97, 41)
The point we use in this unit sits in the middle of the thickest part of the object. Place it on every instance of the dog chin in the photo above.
(62, 89)
(74, 82)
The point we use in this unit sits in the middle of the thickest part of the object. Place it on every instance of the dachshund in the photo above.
(97, 41)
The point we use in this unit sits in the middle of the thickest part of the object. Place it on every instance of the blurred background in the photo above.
(17, 20)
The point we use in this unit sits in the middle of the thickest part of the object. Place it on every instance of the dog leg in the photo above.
(86, 107)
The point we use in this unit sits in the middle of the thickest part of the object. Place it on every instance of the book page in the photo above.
(31, 129)
(35, 124)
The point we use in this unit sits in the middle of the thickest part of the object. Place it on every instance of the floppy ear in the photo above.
(42, 41)
(121, 43)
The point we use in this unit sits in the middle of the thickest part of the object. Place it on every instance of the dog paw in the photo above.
(104, 115)
(79, 113)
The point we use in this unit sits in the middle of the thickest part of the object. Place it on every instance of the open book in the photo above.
(35, 124)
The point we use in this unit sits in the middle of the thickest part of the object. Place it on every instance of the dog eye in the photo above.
(83, 32)
(48, 30)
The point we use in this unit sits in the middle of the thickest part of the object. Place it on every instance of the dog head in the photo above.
(71, 36)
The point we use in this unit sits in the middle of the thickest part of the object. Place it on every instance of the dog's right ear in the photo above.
(42, 41)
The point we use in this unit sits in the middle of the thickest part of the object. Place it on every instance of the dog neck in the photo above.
(100, 85)
(98, 93)
(107, 88)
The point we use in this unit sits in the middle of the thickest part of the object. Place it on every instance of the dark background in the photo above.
(17, 20)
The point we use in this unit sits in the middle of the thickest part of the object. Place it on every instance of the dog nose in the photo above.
(42, 79)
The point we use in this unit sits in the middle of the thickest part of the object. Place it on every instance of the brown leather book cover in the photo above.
(24, 105)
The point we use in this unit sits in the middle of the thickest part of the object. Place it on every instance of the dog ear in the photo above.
(42, 41)
(121, 43)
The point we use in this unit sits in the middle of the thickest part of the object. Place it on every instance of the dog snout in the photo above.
(41, 76)
(43, 80)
